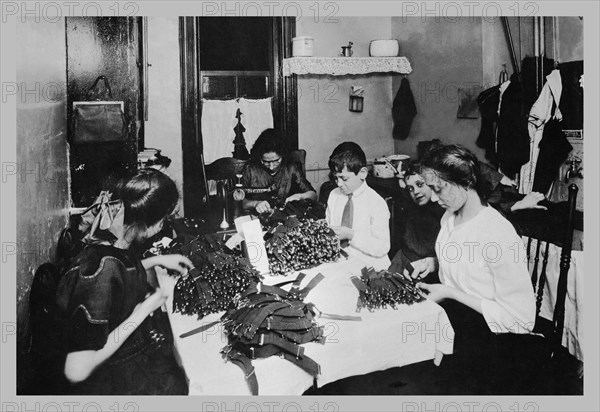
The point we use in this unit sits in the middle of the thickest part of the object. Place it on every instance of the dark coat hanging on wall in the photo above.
(403, 110)
(488, 106)
(512, 135)
(529, 77)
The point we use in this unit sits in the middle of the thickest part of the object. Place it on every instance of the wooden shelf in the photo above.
(342, 66)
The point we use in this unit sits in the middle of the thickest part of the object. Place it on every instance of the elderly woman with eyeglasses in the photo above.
(270, 180)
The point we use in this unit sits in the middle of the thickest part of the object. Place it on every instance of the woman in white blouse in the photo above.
(485, 285)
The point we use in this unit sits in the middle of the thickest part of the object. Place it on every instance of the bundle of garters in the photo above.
(268, 321)
(218, 276)
(380, 289)
(300, 243)
(302, 209)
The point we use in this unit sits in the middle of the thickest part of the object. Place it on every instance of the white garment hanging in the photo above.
(540, 113)
(502, 89)
(257, 115)
(218, 121)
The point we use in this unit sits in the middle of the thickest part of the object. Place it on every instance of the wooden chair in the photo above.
(224, 168)
(554, 369)
(298, 156)
(539, 237)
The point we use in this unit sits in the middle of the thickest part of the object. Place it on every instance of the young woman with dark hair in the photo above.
(112, 347)
(269, 178)
(485, 284)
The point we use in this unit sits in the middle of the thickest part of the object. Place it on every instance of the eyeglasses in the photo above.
(270, 162)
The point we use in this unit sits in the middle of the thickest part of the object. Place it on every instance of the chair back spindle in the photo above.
(539, 279)
(565, 263)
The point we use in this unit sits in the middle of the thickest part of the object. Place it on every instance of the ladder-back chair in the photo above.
(298, 156)
(538, 240)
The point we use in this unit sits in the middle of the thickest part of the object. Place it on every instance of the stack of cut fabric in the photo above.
(299, 244)
(268, 321)
(218, 277)
(382, 289)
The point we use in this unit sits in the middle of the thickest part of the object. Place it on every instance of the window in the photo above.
(236, 57)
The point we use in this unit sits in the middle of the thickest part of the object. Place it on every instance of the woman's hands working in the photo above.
(423, 267)
(174, 262)
(311, 195)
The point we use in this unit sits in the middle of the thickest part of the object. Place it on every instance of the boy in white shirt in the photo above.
(355, 212)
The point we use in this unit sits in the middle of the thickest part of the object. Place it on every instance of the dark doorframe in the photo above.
(194, 190)
(98, 166)
(285, 109)
(285, 105)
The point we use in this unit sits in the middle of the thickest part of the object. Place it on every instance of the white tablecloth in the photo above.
(382, 339)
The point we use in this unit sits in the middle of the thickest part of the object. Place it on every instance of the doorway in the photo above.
(227, 58)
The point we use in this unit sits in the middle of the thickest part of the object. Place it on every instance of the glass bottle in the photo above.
(503, 75)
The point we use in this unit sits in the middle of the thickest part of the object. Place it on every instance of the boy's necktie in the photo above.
(348, 213)
(347, 216)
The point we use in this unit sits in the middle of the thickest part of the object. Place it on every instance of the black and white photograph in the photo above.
(219, 201)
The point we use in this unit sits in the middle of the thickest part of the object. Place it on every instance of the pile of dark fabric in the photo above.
(380, 289)
(269, 321)
(218, 276)
(299, 244)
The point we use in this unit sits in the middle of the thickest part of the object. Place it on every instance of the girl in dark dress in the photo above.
(270, 179)
(111, 344)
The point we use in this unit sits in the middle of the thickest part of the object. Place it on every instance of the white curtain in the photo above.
(218, 123)
(257, 115)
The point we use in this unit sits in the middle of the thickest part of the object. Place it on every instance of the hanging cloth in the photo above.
(257, 115)
(571, 101)
(554, 150)
(512, 139)
(218, 121)
(541, 112)
(403, 110)
(488, 101)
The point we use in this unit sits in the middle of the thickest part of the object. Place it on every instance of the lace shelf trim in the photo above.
(340, 66)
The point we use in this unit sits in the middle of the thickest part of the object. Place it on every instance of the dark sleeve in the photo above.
(503, 198)
(91, 301)
(299, 182)
(490, 175)
(84, 335)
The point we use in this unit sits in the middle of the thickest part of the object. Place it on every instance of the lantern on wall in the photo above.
(356, 101)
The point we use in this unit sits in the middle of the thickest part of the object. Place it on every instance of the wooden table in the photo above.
(382, 339)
